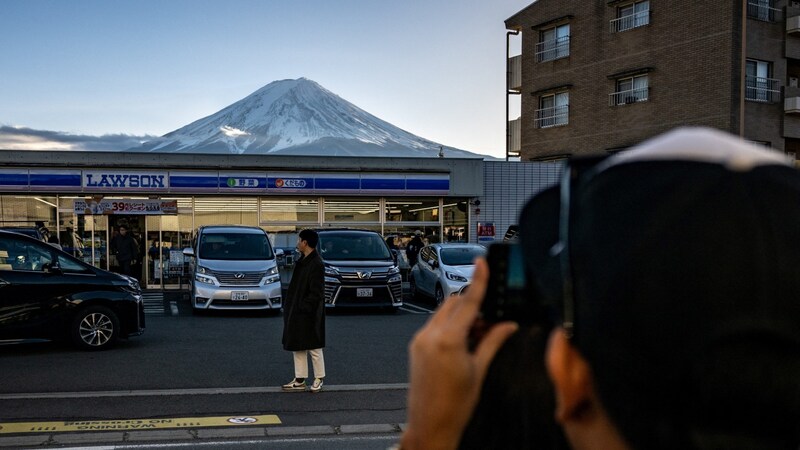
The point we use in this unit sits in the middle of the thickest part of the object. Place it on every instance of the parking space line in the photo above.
(416, 309)
(194, 391)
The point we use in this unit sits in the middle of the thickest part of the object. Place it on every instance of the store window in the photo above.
(290, 210)
(351, 210)
(454, 221)
(412, 210)
(225, 211)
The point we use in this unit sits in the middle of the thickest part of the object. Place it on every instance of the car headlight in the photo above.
(272, 275)
(204, 275)
(128, 284)
(331, 271)
(455, 277)
(394, 270)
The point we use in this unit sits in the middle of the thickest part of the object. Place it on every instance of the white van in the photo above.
(233, 267)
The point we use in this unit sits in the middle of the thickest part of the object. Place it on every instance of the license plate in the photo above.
(240, 296)
(364, 292)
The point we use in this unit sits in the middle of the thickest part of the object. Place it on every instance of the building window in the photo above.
(553, 43)
(762, 10)
(630, 90)
(553, 110)
(631, 15)
(759, 87)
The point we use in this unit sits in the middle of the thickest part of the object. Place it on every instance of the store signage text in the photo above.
(123, 180)
(125, 206)
(290, 183)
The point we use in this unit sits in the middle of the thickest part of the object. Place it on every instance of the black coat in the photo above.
(304, 306)
(125, 247)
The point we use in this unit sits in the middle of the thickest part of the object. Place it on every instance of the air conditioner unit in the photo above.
(792, 81)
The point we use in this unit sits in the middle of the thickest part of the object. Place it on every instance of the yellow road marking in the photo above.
(137, 424)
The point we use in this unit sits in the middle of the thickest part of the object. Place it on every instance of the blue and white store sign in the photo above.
(159, 182)
(144, 180)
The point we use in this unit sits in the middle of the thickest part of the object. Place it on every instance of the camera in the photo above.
(508, 296)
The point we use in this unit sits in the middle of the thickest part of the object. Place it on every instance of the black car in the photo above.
(47, 293)
(360, 269)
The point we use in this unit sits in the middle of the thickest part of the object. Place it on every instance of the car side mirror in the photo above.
(279, 252)
(52, 267)
(394, 256)
(433, 263)
(188, 251)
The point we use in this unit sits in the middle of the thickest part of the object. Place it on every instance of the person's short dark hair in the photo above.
(122, 227)
(310, 236)
(683, 259)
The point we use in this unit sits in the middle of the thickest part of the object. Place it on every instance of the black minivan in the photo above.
(360, 269)
(46, 293)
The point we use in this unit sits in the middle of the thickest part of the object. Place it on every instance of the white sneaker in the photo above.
(317, 386)
(294, 385)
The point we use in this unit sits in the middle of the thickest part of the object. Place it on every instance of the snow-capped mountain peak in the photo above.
(296, 117)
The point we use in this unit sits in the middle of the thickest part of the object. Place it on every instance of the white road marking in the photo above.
(195, 391)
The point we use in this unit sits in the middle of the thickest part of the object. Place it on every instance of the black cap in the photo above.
(685, 263)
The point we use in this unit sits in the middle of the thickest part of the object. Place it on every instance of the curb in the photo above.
(193, 434)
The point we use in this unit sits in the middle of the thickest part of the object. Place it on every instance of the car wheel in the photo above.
(95, 328)
(439, 295)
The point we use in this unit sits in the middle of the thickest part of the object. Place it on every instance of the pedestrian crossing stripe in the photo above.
(137, 424)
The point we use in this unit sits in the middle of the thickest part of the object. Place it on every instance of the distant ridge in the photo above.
(296, 117)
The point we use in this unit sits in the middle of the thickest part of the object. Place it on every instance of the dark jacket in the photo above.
(125, 247)
(413, 248)
(304, 306)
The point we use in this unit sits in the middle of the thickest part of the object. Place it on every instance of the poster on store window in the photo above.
(92, 206)
(485, 232)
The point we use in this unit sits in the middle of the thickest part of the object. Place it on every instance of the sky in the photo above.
(435, 68)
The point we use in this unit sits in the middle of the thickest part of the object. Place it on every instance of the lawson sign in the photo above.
(125, 179)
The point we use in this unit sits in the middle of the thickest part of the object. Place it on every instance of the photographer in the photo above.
(675, 274)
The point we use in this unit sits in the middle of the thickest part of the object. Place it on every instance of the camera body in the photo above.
(508, 296)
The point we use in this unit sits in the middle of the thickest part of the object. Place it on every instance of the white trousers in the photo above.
(301, 363)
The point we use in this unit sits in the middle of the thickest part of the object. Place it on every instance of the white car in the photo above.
(443, 269)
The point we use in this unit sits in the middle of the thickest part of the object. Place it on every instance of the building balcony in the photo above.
(514, 144)
(629, 97)
(763, 90)
(552, 117)
(514, 74)
(764, 11)
(793, 21)
(791, 100)
(630, 21)
(552, 49)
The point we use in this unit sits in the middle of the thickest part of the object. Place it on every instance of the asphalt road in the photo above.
(217, 364)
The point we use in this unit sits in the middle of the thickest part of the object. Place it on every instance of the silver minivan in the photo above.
(233, 267)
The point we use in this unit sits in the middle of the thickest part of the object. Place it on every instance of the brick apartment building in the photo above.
(602, 75)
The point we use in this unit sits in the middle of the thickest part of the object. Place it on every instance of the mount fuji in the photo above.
(296, 117)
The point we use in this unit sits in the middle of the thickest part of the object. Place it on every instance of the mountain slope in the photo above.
(296, 117)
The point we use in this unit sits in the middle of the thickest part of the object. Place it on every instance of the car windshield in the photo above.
(461, 256)
(353, 246)
(235, 246)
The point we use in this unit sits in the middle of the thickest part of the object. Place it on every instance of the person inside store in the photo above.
(126, 249)
(413, 247)
(674, 275)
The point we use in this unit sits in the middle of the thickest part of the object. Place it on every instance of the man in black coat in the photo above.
(304, 314)
(125, 247)
(413, 248)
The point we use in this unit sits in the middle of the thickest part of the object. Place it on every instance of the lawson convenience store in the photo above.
(82, 197)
